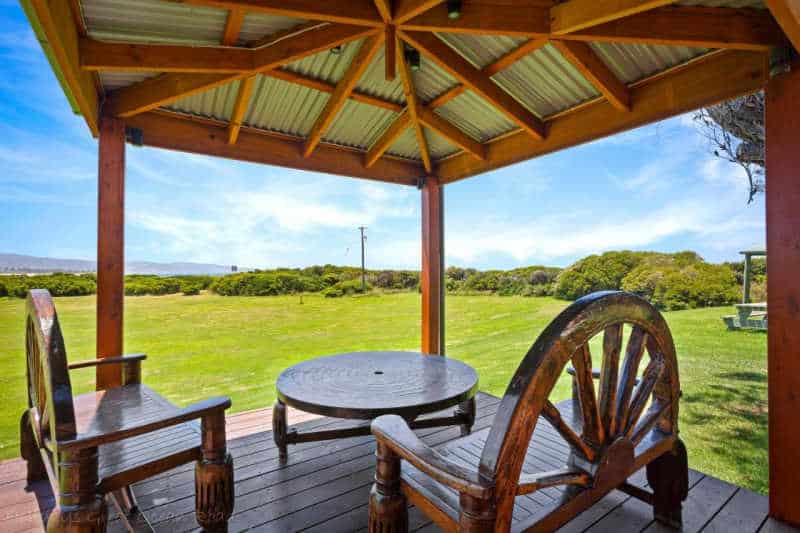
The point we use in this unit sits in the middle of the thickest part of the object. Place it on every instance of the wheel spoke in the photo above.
(592, 426)
(567, 476)
(609, 376)
(553, 415)
(642, 393)
(656, 411)
(633, 356)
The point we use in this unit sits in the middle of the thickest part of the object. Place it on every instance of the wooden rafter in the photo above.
(579, 14)
(384, 8)
(431, 120)
(324, 86)
(596, 71)
(475, 80)
(787, 13)
(390, 57)
(358, 12)
(344, 88)
(703, 27)
(412, 105)
(232, 26)
(229, 37)
(407, 9)
(98, 55)
(166, 130)
(699, 83)
(491, 69)
(483, 17)
(155, 92)
(392, 133)
(240, 108)
(59, 33)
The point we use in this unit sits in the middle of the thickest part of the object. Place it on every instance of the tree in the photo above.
(735, 129)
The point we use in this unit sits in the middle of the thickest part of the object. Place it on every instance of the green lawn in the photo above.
(208, 345)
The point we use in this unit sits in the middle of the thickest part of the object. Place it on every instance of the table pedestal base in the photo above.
(463, 415)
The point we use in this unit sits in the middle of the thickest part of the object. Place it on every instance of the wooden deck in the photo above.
(324, 487)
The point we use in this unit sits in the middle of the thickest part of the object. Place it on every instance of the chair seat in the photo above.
(129, 460)
(547, 451)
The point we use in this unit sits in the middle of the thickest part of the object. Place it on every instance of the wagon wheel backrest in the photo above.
(49, 389)
(608, 420)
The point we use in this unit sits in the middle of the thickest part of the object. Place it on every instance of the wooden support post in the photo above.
(748, 260)
(783, 292)
(110, 248)
(432, 276)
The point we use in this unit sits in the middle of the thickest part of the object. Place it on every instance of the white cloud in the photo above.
(550, 238)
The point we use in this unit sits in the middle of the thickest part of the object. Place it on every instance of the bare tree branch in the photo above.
(735, 130)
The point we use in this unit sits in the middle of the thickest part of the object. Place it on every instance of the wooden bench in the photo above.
(500, 480)
(94, 446)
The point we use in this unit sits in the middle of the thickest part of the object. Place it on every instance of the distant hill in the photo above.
(10, 263)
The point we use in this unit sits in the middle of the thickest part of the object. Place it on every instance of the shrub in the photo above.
(140, 285)
(673, 287)
(345, 288)
(59, 284)
(597, 273)
(189, 289)
(265, 284)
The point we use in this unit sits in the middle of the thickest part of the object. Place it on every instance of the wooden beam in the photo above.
(491, 69)
(240, 108)
(475, 80)
(384, 8)
(358, 12)
(596, 71)
(324, 86)
(431, 120)
(505, 61)
(166, 130)
(233, 25)
(787, 13)
(155, 92)
(355, 70)
(578, 14)
(392, 133)
(412, 105)
(98, 55)
(783, 293)
(407, 9)
(431, 276)
(705, 81)
(56, 31)
(110, 248)
(703, 27)
(485, 17)
(390, 55)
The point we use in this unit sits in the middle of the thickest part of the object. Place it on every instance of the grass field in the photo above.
(210, 345)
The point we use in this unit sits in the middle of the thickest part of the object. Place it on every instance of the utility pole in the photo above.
(363, 271)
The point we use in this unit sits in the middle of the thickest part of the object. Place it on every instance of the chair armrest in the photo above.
(213, 406)
(108, 361)
(394, 432)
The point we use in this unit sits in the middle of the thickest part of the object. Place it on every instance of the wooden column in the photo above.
(110, 247)
(783, 288)
(432, 276)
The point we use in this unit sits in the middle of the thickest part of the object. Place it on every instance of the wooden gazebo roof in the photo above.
(327, 86)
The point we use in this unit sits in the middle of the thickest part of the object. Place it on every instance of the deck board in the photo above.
(324, 487)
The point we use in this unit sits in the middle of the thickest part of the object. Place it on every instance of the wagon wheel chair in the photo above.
(612, 430)
(84, 445)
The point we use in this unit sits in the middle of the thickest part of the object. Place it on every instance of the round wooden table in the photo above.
(366, 385)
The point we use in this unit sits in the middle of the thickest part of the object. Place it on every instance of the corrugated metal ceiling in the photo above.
(542, 81)
(153, 21)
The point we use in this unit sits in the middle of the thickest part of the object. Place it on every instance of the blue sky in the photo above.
(655, 188)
